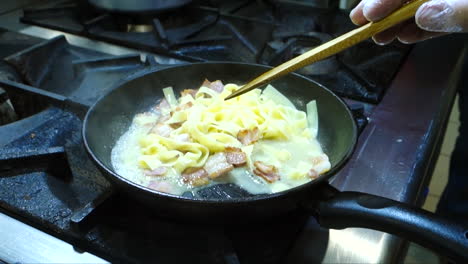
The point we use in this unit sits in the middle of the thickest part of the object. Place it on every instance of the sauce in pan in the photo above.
(258, 141)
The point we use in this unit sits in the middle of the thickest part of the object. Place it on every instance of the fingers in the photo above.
(461, 13)
(411, 33)
(374, 10)
(443, 16)
(407, 32)
(432, 19)
(387, 36)
(357, 16)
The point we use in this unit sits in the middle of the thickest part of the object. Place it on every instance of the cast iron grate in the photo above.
(266, 32)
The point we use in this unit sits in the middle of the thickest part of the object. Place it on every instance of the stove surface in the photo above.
(265, 32)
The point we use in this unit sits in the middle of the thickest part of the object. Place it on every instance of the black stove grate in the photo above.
(266, 32)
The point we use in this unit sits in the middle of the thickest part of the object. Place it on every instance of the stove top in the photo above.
(49, 182)
(265, 32)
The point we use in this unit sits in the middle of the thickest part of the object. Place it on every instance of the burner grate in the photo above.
(248, 31)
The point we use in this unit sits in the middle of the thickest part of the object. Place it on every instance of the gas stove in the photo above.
(265, 32)
(47, 85)
(50, 181)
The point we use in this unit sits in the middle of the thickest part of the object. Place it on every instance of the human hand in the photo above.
(433, 18)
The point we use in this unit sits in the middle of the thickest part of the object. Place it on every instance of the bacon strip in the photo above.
(195, 176)
(235, 156)
(162, 130)
(192, 92)
(248, 136)
(313, 174)
(320, 164)
(161, 186)
(216, 86)
(180, 108)
(206, 83)
(163, 105)
(268, 172)
(184, 106)
(156, 172)
(217, 165)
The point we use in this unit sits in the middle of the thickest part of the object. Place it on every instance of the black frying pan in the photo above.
(111, 116)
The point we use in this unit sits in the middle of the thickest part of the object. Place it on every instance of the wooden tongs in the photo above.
(332, 47)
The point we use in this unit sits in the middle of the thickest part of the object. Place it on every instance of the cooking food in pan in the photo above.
(259, 141)
(110, 118)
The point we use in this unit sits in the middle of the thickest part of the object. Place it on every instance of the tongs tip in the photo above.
(242, 90)
(236, 93)
(230, 96)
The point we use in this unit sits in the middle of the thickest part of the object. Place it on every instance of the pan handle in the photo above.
(339, 210)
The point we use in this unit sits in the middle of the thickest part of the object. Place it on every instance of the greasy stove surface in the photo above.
(266, 32)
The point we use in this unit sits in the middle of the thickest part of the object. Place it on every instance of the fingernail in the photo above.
(405, 41)
(438, 16)
(351, 16)
(355, 21)
(371, 9)
(409, 33)
(381, 43)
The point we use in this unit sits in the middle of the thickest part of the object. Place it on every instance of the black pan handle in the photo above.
(339, 210)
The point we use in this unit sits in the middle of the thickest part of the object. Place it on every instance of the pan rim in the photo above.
(254, 198)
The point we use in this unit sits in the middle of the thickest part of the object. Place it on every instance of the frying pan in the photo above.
(111, 116)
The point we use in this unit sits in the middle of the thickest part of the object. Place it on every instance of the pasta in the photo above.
(200, 138)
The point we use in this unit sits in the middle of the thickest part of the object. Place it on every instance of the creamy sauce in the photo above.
(193, 130)
(292, 158)
(127, 150)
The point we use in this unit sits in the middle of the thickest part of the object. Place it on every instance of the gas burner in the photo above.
(288, 46)
(68, 77)
(141, 28)
(8, 113)
(267, 32)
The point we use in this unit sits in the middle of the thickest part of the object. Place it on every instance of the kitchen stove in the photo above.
(48, 179)
(46, 86)
(266, 32)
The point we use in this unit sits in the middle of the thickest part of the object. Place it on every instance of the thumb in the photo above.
(443, 16)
